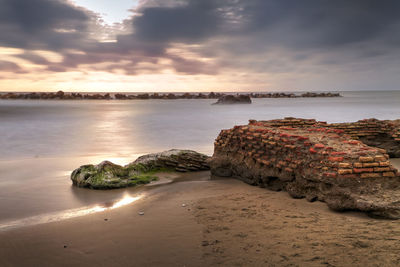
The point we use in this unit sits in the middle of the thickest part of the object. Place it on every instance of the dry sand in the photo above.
(223, 222)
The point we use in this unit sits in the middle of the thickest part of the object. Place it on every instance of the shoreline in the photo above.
(222, 222)
(127, 197)
(100, 198)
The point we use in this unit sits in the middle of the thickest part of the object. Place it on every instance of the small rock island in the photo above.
(108, 175)
(233, 99)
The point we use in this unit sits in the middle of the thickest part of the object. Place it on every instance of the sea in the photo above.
(43, 141)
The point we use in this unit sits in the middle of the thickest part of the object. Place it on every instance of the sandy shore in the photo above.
(222, 222)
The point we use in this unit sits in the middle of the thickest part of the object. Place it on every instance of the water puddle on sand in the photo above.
(68, 214)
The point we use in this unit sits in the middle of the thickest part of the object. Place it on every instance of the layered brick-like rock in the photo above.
(313, 160)
(377, 133)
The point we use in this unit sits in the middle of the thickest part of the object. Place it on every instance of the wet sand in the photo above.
(43, 185)
(222, 222)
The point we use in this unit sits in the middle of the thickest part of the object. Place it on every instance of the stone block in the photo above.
(335, 159)
(358, 165)
(380, 158)
(345, 171)
(358, 170)
(345, 165)
(366, 159)
(370, 175)
(370, 164)
(388, 174)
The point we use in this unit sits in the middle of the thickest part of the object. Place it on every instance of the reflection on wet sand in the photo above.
(68, 214)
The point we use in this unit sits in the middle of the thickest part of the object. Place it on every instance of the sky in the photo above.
(114, 11)
(199, 45)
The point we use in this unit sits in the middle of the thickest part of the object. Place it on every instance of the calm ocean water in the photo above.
(41, 142)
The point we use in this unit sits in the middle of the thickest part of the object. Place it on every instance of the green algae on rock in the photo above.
(108, 175)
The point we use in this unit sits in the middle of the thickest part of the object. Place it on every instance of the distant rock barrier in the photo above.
(108, 175)
(316, 161)
(60, 95)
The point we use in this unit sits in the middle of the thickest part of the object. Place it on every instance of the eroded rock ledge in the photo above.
(108, 175)
(317, 161)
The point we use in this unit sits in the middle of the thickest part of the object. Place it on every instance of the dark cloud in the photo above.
(188, 66)
(189, 23)
(36, 59)
(42, 24)
(38, 15)
(8, 66)
(231, 30)
(305, 24)
(320, 23)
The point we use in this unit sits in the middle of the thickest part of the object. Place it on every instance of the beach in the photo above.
(43, 141)
(201, 221)
(199, 133)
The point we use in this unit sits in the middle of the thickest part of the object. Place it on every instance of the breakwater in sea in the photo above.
(60, 95)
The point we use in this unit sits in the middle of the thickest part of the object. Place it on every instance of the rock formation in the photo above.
(233, 99)
(314, 160)
(108, 175)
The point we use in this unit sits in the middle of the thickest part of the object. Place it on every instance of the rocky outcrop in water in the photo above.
(233, 99)
(108, 175)
(311, 161)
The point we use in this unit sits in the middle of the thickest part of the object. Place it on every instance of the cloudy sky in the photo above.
(199, 45)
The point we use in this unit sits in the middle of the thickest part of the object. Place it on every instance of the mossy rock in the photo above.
(108, 175)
